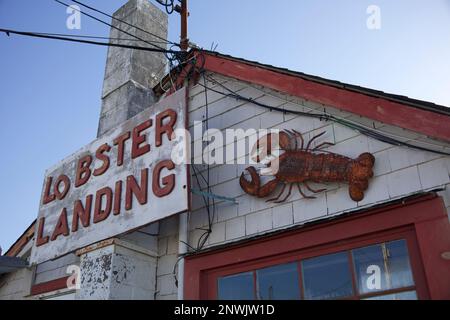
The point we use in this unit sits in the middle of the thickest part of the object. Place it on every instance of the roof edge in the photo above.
(20, 243)
(417, 103)
(430, 121)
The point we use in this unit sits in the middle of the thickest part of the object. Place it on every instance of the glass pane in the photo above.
(236, 287)
(327, 277)
(408, 295)
(398, 264)
(382, 267)
(278, 282)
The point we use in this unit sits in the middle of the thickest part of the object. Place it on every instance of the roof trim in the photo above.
(426, 118)
(21, 242)
(421, 104)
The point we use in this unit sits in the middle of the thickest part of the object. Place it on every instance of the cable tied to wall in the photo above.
(324, 117)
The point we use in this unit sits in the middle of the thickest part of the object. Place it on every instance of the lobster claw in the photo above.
(254, 187)
(250, 187)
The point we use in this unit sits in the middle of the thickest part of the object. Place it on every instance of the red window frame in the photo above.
(347, 245)
(423, 222)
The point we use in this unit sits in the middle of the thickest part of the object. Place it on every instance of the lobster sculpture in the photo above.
(302, 165)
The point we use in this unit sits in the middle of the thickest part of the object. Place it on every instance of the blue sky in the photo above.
(50, 91)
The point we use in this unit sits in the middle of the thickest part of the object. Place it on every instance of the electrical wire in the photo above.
(89, 37)
(110, 25)
(124, 22)
(207, 232)
(187, 73)
(168, 5)
(326, 117)
(207, 128)
(174, 69)
(210, 218)
(204, 237)
(386, 137)
(173, 58)
(304, 106)
(106, 44)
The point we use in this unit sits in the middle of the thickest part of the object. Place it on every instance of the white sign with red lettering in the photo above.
(121, 181)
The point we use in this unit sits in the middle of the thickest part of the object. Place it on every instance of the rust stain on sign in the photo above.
(299, 165)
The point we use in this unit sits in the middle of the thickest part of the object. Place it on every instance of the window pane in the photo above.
(398, 264)
(236, 287)
(327, 277)
(408, 295)
(382, 267)
(278, 282)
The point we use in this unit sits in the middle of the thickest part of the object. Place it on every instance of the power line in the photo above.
(168, 5)
(175, 57)
(110, 25)
(89, 36)
(106, 44)
(124, 22)
(324, 116)
(314, 110)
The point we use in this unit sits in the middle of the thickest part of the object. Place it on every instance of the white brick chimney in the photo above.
(131, 74)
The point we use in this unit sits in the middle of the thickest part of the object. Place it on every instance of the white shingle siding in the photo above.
(445, 194)
(258, 222)
(16, 285)
(218, 233)
(167, 257)
(235, 228)
(282, 215)
(165, 287)
(398, 171)
(403, 182)
(377, 191)
(306, 210)
(226, 211)
(434, 172)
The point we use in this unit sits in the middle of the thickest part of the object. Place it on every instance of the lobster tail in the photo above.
(362, 171)
(366, 160)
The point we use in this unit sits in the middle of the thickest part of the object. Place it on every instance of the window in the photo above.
(236, 287)
(379, 271)
(389, 252)
(327, 277)
(278, 282)
(387, 261)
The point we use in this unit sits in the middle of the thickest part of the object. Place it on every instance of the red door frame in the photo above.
(423, 221)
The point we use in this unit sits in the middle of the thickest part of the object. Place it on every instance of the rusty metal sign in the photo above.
(119, 182)
(300, 165)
